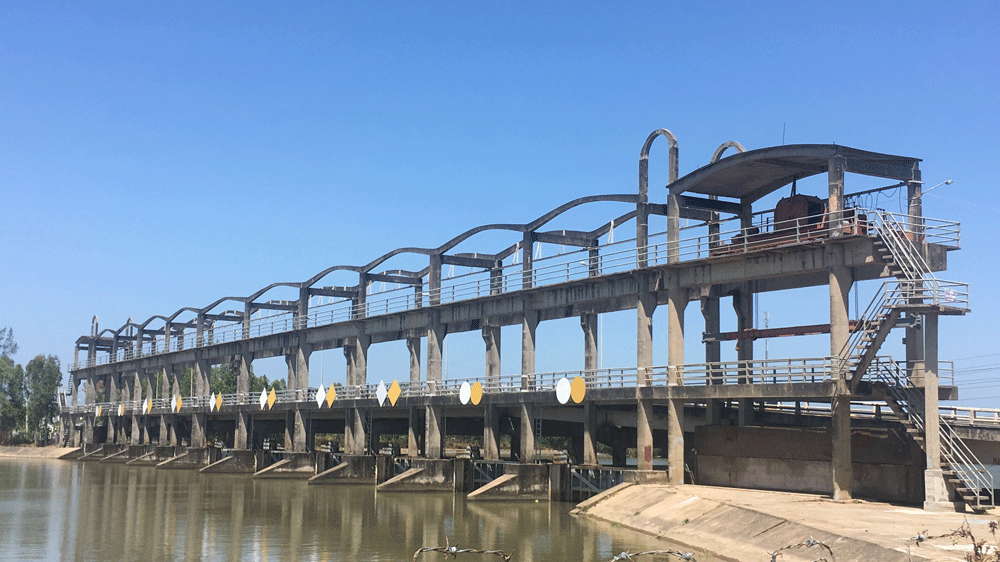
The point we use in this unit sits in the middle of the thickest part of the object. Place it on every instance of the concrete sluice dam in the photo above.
(844, 421)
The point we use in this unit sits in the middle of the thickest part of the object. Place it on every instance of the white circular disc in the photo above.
(563, 390)
(465, 393)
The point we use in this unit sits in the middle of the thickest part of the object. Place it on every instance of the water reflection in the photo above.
(57, 510)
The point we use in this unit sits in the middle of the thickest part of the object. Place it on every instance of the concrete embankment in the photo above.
(36, 452)
(749, 525)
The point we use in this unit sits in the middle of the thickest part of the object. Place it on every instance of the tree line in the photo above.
(29, 407)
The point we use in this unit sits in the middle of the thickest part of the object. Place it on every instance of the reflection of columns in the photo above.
(491, 433)
(436, 431)
(840, 332)
(527, 433)
(529, 324)
(491, 337)
(676, 303)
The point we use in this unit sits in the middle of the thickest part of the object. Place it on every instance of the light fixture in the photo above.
(945, 182)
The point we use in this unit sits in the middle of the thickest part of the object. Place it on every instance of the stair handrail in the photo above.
(957, 455)
(904, 250)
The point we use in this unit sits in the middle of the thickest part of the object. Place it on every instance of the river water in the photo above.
(63, 510)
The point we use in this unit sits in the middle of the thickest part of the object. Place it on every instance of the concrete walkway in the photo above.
(748, 525)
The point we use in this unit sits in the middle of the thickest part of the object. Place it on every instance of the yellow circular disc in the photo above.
(476, 393)
(578, 389)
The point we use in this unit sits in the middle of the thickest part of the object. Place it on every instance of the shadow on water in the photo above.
(58, 510)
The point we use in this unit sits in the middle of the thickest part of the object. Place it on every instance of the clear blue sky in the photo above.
(158, 155)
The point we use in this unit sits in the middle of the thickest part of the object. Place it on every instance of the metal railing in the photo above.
(954, 452)
(586, 482)
(566, 266)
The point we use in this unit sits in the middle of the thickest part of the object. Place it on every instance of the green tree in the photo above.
(8, 346)
(11, 398)
(42, 377)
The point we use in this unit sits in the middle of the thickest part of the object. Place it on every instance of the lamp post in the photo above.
(945, 182)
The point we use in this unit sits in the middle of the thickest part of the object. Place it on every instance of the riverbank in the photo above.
(32, 452)
(749, 525)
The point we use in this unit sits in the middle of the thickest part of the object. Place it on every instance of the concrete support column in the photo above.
(491, 433)
(435, 345)
(243, 367)
(840, 332)
(529, 324)
(200, 375)
(169, 424)
(300, 431)
(491, 337)
(413, 346)
(360, 432)
(644, 434)
(289, 437)
(349, 447)
(298, 370)
(136, 437)
(835, 202)
(743, 304)
(527, 433)
(176, 379)
(840, 435)
(88, 430)
(111, 388)
(936, 496)
(413, 436)
(589, 433)
(713, 350)
(644, 308)
(198, 422)
(676, 303)
(435, 431)
(240, 440)
(589, 323)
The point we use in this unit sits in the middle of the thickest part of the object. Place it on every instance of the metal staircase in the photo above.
(962, 470)
(914, 291)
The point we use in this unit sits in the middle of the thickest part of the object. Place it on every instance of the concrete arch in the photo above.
(722, 148)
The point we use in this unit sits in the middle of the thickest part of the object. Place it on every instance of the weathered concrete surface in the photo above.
(39, 452)
(887, 465)
(426, 475)
(519, 482)
(294, 465)
(192, 458)
(351, 470)
(749, 525)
